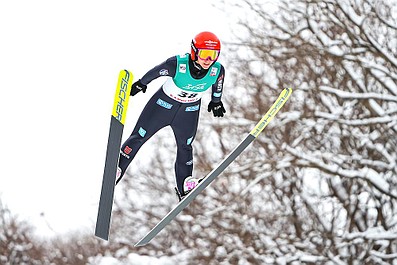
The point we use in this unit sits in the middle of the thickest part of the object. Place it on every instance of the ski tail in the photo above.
(278, 104)
(117, 121)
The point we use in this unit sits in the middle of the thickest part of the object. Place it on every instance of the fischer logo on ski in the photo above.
(122, 96)
(278, 104)
(272, 112)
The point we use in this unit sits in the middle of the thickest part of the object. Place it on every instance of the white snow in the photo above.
(375, 233)
(133, 259)
(350, 95)
(365, 173)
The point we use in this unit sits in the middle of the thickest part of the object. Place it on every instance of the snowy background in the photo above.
(319, 186)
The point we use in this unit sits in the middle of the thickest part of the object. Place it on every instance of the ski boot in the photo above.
(188, 185)
(118, 175)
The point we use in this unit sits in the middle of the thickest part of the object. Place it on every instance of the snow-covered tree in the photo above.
(334, 173)
(16, 241)
(320, 185)
(19, 245)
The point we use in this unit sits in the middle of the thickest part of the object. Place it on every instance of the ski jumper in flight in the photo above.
(177, 104)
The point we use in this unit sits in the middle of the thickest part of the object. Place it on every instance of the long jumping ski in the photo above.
(277, 105)
(112, 154)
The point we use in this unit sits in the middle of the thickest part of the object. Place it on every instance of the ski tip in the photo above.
(288, 89)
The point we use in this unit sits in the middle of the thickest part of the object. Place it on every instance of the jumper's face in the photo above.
(204, 63)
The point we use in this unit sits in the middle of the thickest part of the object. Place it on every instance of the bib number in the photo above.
(184, 94)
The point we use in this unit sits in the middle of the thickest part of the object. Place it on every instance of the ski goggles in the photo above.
(204, 54)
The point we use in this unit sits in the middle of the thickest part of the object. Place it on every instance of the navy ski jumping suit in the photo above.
(177, 104)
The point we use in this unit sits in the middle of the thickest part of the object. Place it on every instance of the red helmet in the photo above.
(204, 40)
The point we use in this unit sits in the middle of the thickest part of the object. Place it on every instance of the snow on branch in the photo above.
(373, 234)
(382, 255)
(381, 50)
(255, 181)
(377, 69)
(240, 122)
(358, 122)
(350, 95)
(368, 174)
(350, 13)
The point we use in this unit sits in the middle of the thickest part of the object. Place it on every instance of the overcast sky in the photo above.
(59, 62)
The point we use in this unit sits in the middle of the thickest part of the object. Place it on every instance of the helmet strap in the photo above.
(197, 65)
(195, 50)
